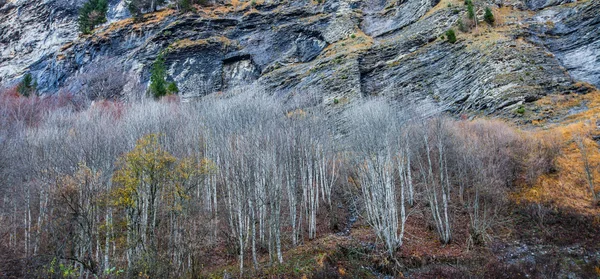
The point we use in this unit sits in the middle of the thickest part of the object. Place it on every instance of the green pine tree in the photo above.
(471, 11)
(489, 16)
(451, 36)
(27, 86)
(92, 14)
(158, 86)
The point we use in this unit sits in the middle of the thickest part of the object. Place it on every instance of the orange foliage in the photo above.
(567, 186)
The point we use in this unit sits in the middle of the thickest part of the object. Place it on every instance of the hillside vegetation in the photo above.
(300, 139)
(245, 185)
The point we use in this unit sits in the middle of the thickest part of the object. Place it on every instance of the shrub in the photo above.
(461, 26)
(172, 88)
(451, 36)
(103, 79)
(489, 16)
(137, 7)
(186, 5)
(92, 14)
(27, 86)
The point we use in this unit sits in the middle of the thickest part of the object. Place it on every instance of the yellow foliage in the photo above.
(321, 259)
(342, 271)
(146, 164)
(149, 165)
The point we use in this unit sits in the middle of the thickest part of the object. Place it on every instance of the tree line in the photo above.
(93, 12)
(159, 188)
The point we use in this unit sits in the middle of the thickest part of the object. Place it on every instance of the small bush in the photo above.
(520, 110)
(451, 36)
(172, 88)
(185, 5)
(461, 26)
(138, 7)
(103, 79)
(489, 16)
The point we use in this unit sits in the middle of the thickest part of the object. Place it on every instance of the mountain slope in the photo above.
(344, 49)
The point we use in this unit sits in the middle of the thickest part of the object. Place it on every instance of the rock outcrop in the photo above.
(343, 49)
(572, 33)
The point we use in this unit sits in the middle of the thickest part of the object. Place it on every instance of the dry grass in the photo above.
(443, 4)
(66, 46)
(187, 43)
(150, 19)
(353, 44)
(567, 187)
(561, 106)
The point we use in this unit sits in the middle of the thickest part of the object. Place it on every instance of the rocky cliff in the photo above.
(343, 49)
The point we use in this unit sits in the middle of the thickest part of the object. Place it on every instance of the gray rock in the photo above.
(343, 49)
(540, 4)
(573, 35)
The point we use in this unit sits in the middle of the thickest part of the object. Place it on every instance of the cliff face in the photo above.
(572, 33)
(343, 49)
(33, 32)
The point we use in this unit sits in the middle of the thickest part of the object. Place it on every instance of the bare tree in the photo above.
(376, 134)
(103, 79)
(433, 169)
(588, 169)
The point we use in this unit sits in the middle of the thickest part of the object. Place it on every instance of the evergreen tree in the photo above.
(185, 5)
(27, 86)
(92, 14)
(470, 11)
(451, 36)
(158, 86)
(489, 16)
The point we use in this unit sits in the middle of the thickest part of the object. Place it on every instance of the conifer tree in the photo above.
(489, 16)
(27, 86)
(158, 86)
(92, 14)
